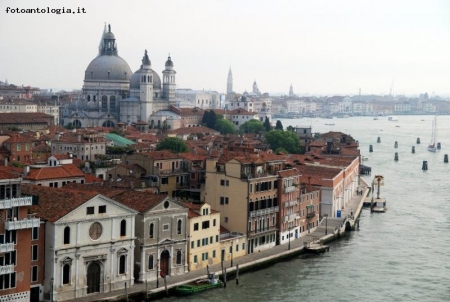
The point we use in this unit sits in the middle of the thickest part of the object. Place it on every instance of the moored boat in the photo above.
(199, 285)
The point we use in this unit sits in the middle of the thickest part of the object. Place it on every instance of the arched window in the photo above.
(123, 228)
(122, 264)
(104, 101)
(152, 230)
(179, 257)
(150, 262)
(112, 102)
(67, 235)
(179, 227)
(66, 274)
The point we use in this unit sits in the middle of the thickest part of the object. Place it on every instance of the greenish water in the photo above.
(402, 255)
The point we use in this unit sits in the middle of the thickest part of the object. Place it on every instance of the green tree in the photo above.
(173, 144)
(225, 127)
(252, 126)
(283, 139)
(290, 128)
(69, 126)
(279, 126)
(267, 125)
(209, 118)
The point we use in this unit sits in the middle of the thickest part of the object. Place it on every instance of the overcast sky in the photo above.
(321, 47)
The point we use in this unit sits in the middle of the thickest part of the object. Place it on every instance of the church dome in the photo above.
(135, 80)
(108, 68)
(169, 62)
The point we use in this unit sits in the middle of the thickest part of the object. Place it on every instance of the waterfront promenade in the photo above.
(334, 226)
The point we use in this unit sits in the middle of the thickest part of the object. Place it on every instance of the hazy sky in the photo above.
(321, 47)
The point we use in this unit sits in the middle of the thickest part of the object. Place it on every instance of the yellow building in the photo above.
(203, 236)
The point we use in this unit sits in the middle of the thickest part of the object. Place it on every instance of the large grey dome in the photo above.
(135, 80)
(108, 67)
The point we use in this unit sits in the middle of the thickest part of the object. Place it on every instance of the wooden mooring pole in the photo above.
(126, 291)
(225, 277)
(237, 273)
(165, 285)
(146, 290)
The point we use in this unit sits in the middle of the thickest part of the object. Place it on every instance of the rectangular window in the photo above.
(18, 147)
(237, 247)
(214, 222)
(195, 259)
(211, 240)
(214, 253)
(195, 226)
(34, 273)
(165, 227)
(34, 252)
(205, 225)
(35, 233)
(101, 209)
(217, 238)
(164, 180)
(198, 242)
(192, 244)
(90, 211)
(226, 219)
(243, 246)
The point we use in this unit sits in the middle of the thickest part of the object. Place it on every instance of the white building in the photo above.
(89, 242)
(204, 99)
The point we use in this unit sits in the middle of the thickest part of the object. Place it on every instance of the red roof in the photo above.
(63, 171)
(55, 203)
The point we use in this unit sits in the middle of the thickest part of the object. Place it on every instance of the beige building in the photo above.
(165, 170)
(204, 236)
(244, 188)
(17, 105)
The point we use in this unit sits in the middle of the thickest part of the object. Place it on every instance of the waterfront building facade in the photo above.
(89, 242)
(204, 236)
(21, 244)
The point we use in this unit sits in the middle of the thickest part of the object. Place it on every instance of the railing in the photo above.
(311, 214)
(6, 247)
(16, 202)
(26, 223)
(264, 212)
(6, 269)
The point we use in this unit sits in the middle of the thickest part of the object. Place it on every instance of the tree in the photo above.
(173, 144)
(279, 126)
(267, 125)
(209, 119)
(252, 126)
(290, 128)
(225, 127)
(69, 126)
(283, 139)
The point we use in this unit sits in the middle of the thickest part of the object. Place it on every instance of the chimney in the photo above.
(26, 170)
(6, 162)
(79, 138)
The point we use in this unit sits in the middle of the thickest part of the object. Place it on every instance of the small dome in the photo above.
(169, 62)
(135, 82)
(109, 36)
(112, 68)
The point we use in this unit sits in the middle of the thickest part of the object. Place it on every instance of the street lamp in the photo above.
(51, 289)
(231, 251)
(326, 223)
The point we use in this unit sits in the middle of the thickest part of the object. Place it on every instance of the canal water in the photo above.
(401, 255)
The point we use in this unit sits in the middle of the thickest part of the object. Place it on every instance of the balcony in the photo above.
(289, 189)
(311, 214)
(6, 247)
(6, 269)
(264, 212)
(16, 202)
(26, 223)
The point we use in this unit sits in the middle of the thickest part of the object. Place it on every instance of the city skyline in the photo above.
(321, 48)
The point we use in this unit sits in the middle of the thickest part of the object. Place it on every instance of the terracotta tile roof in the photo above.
(140, 201)
(193, 130)
(13, 170)
(55, 172)
(18, 138)
(164, 154)
(7, 175)
(241, 111)
(55, 203)
(90, 178)
(289, 173)
(25, 118)
(193, 157)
